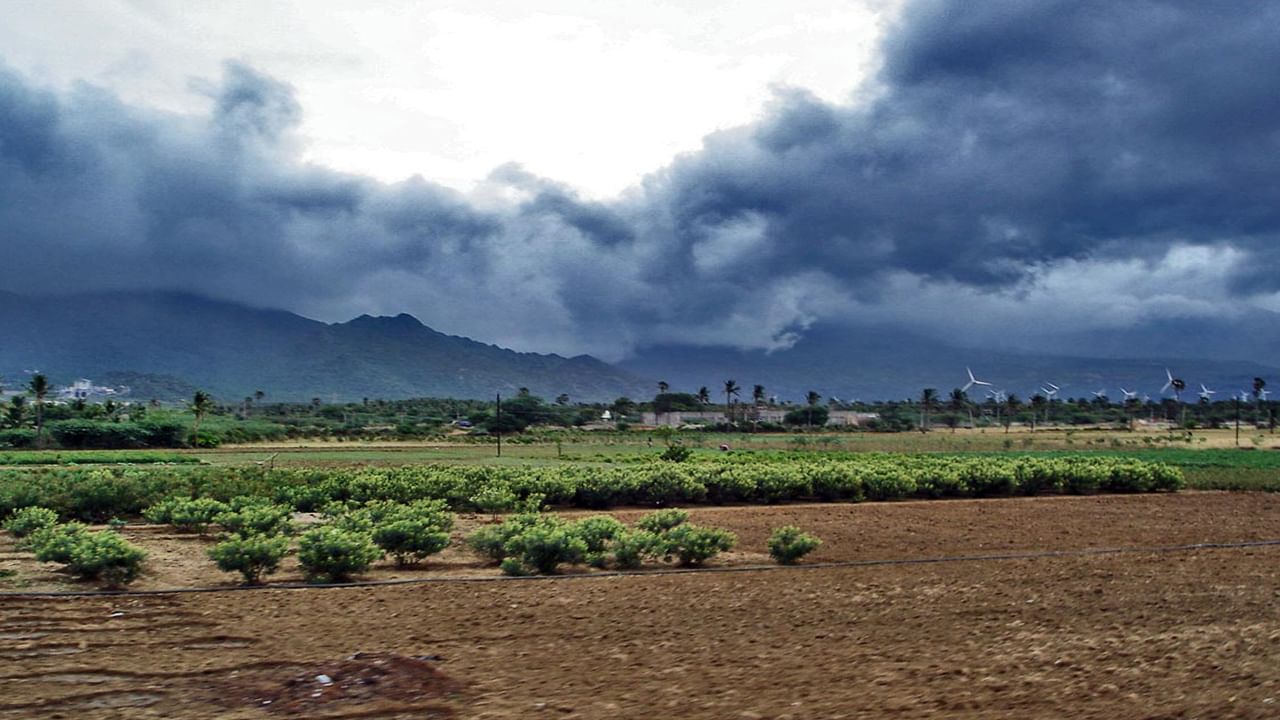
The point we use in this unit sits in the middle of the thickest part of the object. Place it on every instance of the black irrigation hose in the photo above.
(667, 571)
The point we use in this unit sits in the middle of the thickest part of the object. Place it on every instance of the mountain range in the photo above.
(166, 344)
(233, 351)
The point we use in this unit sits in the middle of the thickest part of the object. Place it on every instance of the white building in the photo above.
(676, 418)
(84, 389)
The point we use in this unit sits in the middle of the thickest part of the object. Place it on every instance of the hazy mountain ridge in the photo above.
(167, 342)
(234, 350)
(873, 363)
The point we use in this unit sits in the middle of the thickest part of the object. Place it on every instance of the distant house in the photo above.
(84, 389)
(676, 418)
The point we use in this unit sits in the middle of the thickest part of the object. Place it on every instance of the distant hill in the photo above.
(877, 363)
(170, 342)
(163, 345)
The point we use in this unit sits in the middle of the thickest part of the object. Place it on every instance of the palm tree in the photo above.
(1258, 398)
(39, 388)
(562, 399)
(1178, 386)
(811, 397)
(757, 395)
(17, 410)
(957, 402)
(928, 399)
(704, 395)
(1011, 404)
(201, 405)
(663, 387)
(731, 391)
(1038, 401)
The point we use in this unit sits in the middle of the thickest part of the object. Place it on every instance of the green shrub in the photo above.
(332, 554)
(161, 513)
(691, 545)
(106, 556)
(54, 542)
(491, 541)
(410, 541)
(27, 520)
(662, 520)
(252, 556)
(512, 566)
(597, 531)
(545, 546)
(101, 494)
(252, 520)
(195, 515)
(630, 547)
(493, 498)
(676, 453)
(788, 544)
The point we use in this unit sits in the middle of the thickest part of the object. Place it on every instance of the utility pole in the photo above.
(497, 424)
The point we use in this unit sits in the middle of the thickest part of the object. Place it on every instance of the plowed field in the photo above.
(1143, 634)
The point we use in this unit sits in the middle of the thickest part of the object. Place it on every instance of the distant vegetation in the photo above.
(96, 495)
(26, 423)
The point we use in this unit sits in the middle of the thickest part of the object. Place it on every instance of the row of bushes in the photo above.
(98, 494)
(257, 536)
(97, 434)
(92, 457)
(102, 556)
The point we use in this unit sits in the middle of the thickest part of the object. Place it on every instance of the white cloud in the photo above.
(595, 95)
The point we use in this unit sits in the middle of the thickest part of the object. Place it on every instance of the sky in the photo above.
(577, 177)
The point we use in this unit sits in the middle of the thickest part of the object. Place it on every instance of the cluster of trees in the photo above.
(958, 409)
(30, 420)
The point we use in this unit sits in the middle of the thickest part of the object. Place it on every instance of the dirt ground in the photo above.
(1132, 635)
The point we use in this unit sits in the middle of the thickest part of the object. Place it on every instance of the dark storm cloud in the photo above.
(1002, 139)
(1015, 133)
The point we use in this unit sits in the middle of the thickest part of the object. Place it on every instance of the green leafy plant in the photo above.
(410, 541)
(788, 544)
(676, 453)
(253, 520)
(513, 566)
(54, 542)
(252, 556)
(597, 530)
(333, 554)
(491, 541)
(545, 546)
(663, 520)
(195, 515)
(494, 498)
(691, 545)
(630, 547)
(27, 520)
(106, 556)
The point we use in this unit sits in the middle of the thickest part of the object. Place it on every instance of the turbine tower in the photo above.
(1050, 393)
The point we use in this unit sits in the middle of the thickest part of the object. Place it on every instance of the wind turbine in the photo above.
(1206, 394)
(1100, 394)
(1129, 395)
(1178, 386)
(973, 381)
(1050, 393)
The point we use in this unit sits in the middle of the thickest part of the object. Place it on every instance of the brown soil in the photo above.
(1134, 635)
